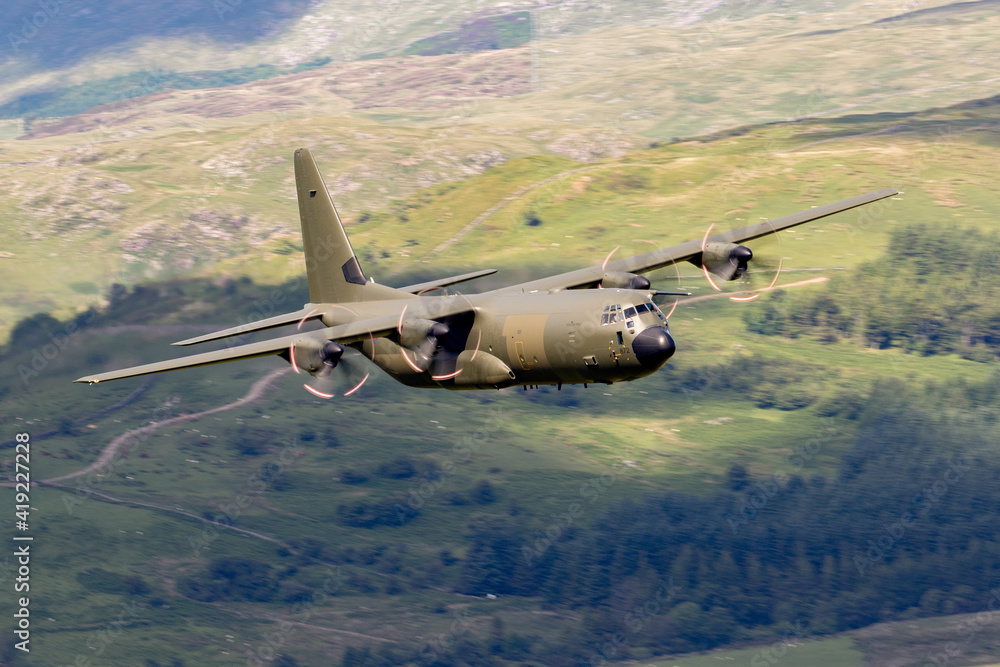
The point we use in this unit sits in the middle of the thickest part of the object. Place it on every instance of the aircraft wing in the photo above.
(305, 314)
(352, 332)
(445, 282)
(657, 259)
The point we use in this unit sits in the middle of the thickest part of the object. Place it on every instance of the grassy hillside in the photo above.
(622, 126)
(120, 212)
(197, 181)
(134, 533)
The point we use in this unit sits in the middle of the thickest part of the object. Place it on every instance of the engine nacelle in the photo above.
(726, 260)
(423, 339)
(623, 280)
(481, 369)
(415, 333)
(316, 357)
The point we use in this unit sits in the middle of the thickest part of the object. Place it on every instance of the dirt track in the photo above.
(122, 441)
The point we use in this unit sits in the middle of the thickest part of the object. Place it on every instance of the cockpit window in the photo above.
(615, 313)
(655, 309)
(612, 314)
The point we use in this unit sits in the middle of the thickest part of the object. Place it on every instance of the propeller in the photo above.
(448, 363)
(624, 280)
(420, 340)
(742, 272)
(439, 347)
(335, 369)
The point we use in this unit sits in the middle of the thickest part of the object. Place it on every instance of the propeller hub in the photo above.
(640, 283)
(331, 353)
(653, 346)
(439, 330)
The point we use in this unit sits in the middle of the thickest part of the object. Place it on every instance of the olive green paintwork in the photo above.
(556, 330)
(528, 339)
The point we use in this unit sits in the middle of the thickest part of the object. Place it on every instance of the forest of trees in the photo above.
(909, 527)
(935, 291)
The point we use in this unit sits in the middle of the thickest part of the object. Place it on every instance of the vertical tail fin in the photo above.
(334, 274)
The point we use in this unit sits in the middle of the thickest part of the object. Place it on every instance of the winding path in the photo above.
(256, 392)
(130, 437)
(131, 398)
(174, 510)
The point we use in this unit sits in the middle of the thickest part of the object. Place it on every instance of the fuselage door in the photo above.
(525, 336)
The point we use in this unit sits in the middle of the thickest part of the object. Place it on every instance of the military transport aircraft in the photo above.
(593, 325)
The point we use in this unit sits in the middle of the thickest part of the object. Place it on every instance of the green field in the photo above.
(182, 167)
(533, 457)
(839, 652)
(465, 147)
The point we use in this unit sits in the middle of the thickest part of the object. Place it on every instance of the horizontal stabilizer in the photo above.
(307, 313)
(445, 282)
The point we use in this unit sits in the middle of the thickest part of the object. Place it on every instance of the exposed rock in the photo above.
(206, 235)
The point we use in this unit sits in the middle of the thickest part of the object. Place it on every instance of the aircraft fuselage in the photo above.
(564, 337)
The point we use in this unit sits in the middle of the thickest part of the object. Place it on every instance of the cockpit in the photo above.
(628, 314)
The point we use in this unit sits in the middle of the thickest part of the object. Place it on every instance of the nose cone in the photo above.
(653, 346)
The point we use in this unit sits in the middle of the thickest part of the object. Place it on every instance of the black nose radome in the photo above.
(653, 347)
